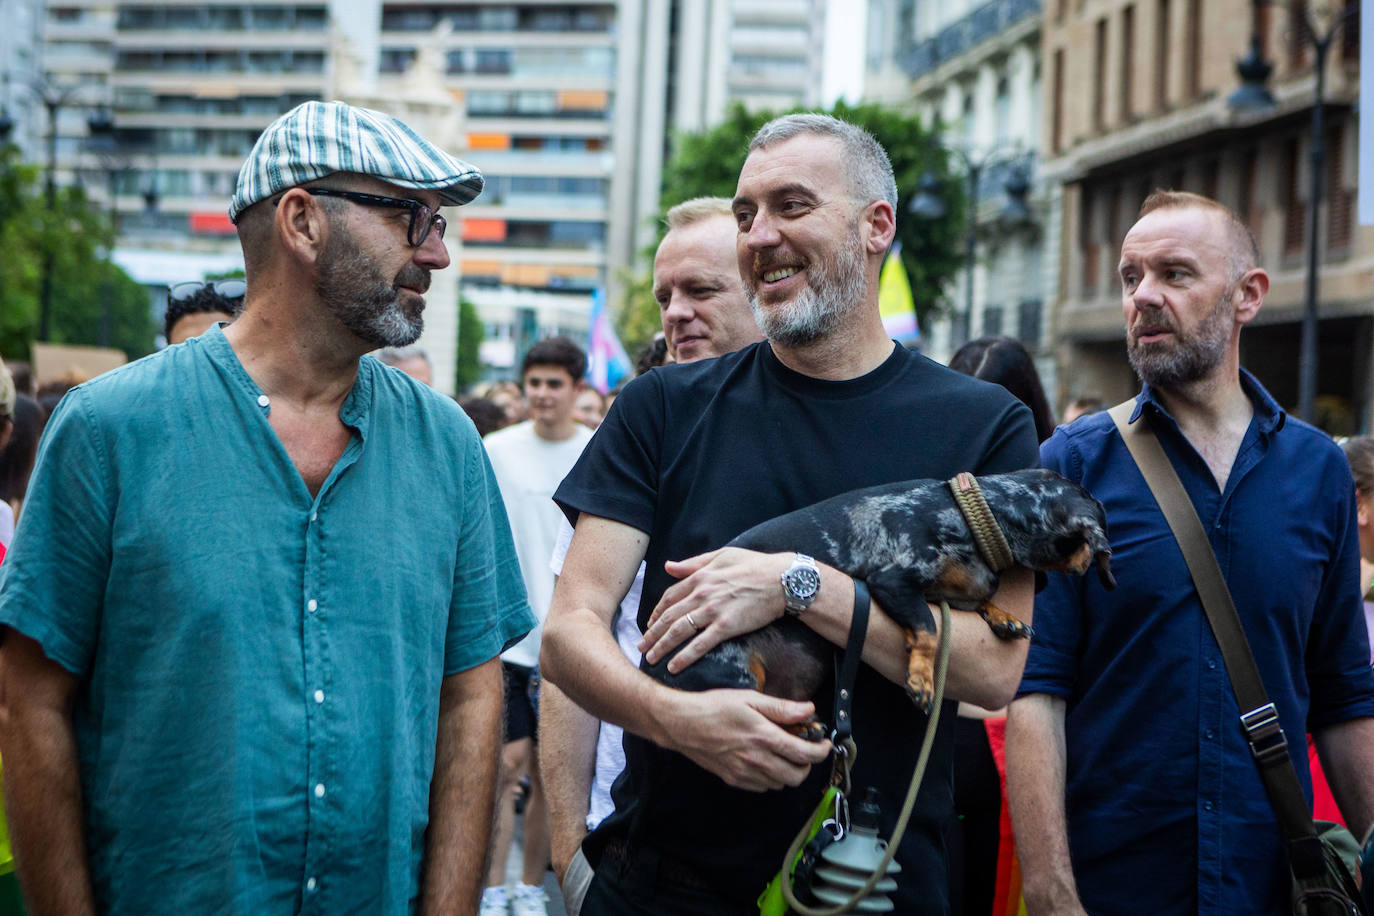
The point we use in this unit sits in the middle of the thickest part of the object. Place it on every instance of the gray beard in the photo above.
(354, 290)
(1189, 360)
(833, 292)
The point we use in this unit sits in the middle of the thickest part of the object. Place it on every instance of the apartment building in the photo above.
(972, 68)
(764, 54)
(21, 121)
(1136, 98)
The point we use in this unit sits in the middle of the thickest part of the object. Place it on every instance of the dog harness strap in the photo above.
(849, 667)
(987, 534)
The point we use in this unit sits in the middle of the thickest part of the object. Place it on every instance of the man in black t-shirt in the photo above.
(689, 456)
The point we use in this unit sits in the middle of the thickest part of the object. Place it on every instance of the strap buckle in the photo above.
(1262, 729)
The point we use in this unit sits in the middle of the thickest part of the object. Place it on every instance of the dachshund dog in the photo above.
(911, 544)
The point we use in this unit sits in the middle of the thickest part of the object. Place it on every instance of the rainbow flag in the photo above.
(607, 362)
(895, 303)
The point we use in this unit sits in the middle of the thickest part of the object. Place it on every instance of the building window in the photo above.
(1339, 201)
(992, 320)
(1003, 125)
(1161, 55)
(1087, 242)
(1127, 63)
(1100, 76)
(1028, 323)
(1192, 37)
(1057, 103)
(1249, 190)
(1294, 215)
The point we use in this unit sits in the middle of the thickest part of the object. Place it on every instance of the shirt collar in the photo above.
(1269, 416)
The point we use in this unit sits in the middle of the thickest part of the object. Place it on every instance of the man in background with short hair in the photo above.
(530, 460)
(194, 307)
(412, 360)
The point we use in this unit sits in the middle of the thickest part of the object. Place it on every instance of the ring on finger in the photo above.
(693, 624)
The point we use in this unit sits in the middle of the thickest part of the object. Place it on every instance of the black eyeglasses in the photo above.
(225, 289)
(422, 218)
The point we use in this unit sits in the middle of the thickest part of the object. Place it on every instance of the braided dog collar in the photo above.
(987, 534)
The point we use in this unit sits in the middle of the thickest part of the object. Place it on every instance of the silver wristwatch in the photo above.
(800, 584)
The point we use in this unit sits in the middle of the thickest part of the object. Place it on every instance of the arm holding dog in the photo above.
(735, 734)
(1035, 791)
(732, 591)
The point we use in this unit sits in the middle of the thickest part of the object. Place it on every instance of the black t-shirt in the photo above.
(695, 454)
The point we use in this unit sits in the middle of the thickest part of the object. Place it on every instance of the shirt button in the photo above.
(263, 400)
(310, 884)
(319, 790)
(319, 698)
(1212, 664)
(1209, 734)
(314, 515)
(312, 605)
(1207, 806)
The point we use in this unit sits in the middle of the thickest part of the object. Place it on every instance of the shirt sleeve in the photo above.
(1338, 671)
(616, 476)
(1051, 663)
(1013, 446)
(560, 547)
(489, 612)
(52, 583)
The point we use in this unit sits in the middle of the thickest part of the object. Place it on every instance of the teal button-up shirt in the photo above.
(261, 669)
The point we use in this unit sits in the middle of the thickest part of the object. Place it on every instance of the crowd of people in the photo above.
(287, 631)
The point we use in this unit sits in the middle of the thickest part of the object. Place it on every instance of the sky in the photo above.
(846, 26)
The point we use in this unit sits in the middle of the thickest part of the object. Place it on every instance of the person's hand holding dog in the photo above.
(741, 736)
(721, 594)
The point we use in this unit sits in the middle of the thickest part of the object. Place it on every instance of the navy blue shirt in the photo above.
(1166, 809)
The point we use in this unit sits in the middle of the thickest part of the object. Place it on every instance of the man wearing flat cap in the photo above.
(241, 688)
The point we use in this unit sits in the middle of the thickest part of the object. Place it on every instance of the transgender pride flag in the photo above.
(607, 362)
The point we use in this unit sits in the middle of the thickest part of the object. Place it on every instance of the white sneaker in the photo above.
(528, 901)
(494, 902)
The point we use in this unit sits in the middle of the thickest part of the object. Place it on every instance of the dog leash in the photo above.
(909, 805)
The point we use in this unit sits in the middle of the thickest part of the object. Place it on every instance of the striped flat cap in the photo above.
(319, 138)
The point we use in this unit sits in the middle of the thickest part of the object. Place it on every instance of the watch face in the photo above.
(804, 581)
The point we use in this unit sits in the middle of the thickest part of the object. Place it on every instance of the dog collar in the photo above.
(987, 534)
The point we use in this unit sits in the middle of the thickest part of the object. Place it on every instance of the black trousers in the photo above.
(974, 838)
(637, 885)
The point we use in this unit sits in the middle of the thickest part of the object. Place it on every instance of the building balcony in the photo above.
(960, 36)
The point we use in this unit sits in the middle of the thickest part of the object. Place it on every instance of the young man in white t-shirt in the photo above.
(530, 460)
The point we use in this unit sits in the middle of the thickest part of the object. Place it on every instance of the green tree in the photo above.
(636, 321)
(470, 334)
(708, 164)
(90, 294)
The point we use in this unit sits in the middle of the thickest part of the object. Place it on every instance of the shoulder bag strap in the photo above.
(1259, 719)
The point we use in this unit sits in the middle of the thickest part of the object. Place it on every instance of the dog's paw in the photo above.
(920, 668)
(921, 691)
(1004, 625)
(811, 730)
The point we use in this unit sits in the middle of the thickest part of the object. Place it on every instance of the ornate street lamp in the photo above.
(929, 203)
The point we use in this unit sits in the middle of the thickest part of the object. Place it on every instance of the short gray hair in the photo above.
(698, 209)
(871, 176)
(394, 356)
